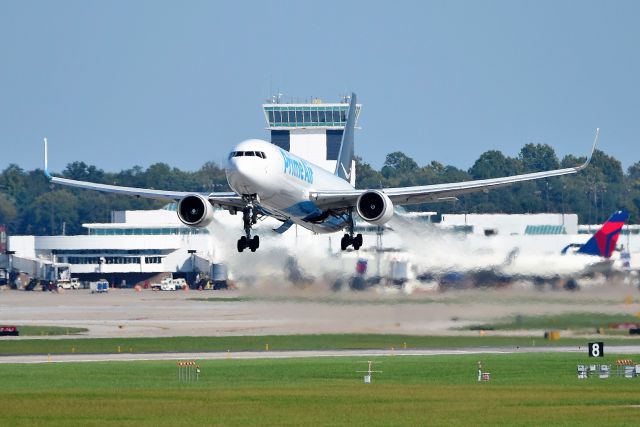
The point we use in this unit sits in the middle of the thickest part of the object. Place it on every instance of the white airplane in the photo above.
(269, 181)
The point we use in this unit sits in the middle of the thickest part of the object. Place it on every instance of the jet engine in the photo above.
(375, 207)
(195, 211)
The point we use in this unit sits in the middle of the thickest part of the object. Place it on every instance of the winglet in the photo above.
(593, 148)
(46, 160)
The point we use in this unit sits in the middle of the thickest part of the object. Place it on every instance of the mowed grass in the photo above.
(9, 346)
(526, 389)
(565, 321)
(34, 330)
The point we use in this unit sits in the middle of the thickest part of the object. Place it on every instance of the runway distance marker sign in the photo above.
(596, 349)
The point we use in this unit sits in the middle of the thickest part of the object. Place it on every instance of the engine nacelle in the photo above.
(195, 211)
(375, 207)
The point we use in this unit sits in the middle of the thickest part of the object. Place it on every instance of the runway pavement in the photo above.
(122, 357)
(124, 313)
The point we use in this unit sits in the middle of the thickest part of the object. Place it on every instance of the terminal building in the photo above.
(136, 246)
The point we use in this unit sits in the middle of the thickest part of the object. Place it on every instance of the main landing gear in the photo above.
(349, 239)
(249, 218)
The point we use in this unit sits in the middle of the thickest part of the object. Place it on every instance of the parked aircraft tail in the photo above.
(603, 242)
(345, 156)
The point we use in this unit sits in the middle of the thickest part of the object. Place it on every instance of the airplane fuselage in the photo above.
(282, 182)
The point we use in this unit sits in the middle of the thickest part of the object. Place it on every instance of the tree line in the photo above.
(30, 204)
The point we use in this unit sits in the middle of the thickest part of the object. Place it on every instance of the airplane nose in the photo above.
(246, 174)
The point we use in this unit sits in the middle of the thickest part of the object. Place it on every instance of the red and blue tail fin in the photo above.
(603, 243)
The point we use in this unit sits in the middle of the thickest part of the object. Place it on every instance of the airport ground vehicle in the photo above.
(4, 277)
(9, 331)
(101, 286)
(169, 284)
(72, 283)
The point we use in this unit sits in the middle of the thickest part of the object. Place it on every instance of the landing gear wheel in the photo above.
(242, 244)
(254, 243)
(249, 218)
(345, 242)
(357, 242)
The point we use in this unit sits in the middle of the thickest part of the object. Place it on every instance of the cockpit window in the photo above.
(248, 153)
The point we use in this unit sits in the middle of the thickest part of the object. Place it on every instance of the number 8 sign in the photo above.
(596, 349)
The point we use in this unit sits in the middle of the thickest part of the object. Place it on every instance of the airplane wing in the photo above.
(226, 200)
(337, 200)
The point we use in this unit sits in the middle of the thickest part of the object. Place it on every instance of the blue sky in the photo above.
(124, 83)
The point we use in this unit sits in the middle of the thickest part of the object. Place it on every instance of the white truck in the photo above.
(169, 284)
(72, 283)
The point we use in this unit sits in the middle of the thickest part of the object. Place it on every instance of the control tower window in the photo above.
(314, 116)
(307, 116)
(277, 116)
(270, 113)
(329, 116)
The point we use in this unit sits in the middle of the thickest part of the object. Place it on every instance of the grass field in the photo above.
(565, 321)
(278, 342)
(566, 299)
(526, 389)
(34, 330)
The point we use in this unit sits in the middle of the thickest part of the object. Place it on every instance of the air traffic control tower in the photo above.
(312, 131)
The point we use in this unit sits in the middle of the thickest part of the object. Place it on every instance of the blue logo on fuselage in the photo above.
(297, 168)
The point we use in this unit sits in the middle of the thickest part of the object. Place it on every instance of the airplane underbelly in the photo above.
(302, 213)
(292, 201)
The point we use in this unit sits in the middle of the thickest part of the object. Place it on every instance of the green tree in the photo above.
(398, 168)
(50, 210)
(8, 211)
(494, 164)
(367, 176)
(82, 172)
(538, 157)
(210, 177)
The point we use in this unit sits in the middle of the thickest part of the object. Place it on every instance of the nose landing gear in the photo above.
(249, 218)
(252, 243)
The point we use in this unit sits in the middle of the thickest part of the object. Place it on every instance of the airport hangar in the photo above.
(142, 246)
